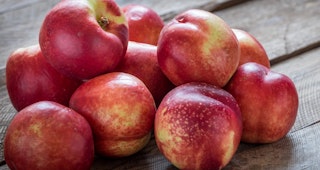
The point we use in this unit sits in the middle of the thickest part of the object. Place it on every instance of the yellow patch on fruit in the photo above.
(36, 128)
(163, 135)
(120, 117)
(127, 147)
(212, 50)
(228, 147)
(168, 139)
(103, 15)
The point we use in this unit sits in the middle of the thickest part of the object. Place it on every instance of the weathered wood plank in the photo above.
(2, 76)
(9, 5)
(6, 114)
(298, 150)
(20, 24)
(285, 28)
(168, 9)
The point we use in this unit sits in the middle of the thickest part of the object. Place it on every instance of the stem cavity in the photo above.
(103, 22)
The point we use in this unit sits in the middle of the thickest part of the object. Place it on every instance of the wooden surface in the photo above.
(288, 29)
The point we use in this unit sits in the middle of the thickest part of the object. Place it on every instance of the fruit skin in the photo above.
(29, 79)
(251, 50)
(47, 135)
(198, 126)
(268, 101)
(198, 46)
(120, 110)
(141, 61)
(144, 23)
(84, 38)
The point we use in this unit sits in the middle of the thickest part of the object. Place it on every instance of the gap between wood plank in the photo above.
(307, 126)
(295, 53)
(3, 162)
(226, 4)
(211, 7)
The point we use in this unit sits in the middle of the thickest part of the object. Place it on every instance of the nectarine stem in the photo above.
(103, 22)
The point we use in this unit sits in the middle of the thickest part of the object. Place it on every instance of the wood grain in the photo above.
(298, 150)
(7, 112)
(285, 28)
(168, 9)
(20, 23)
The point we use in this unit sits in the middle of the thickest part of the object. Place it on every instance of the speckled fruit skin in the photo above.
(48, 135)
(198, 126)
(144, 23)
(268, 102)
(120, 110)
(141, 61)
(30, 78)
(251, 50)
(198, 46)
(84, 38)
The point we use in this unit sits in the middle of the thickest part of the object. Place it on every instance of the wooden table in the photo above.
(288, 29)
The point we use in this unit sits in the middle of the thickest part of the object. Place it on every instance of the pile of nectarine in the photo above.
(103, 78)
